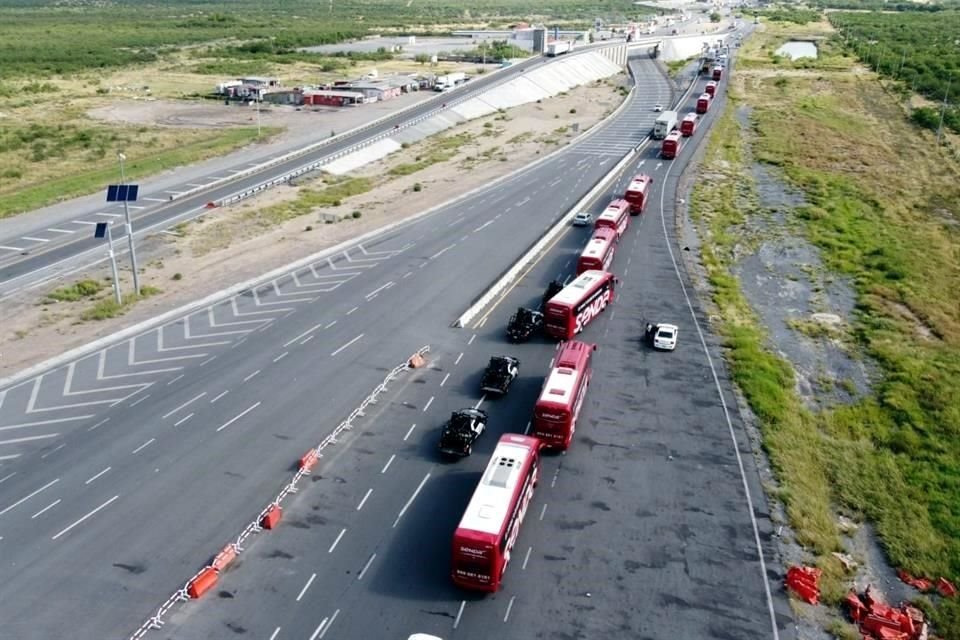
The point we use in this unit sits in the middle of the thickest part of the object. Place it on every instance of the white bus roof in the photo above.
(560, 385)
(612, 212)
(595, 247)
(490, 503)
(574, 291)
(638, 183)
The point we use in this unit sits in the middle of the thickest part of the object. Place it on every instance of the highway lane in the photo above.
(48, 252)
(131, 530)
(641, 530)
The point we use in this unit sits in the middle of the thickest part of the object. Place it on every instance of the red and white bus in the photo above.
(711, 88)
(491, 523)
(688, 125)
(598, 254)
(567, 313)
(556, 411)
(637, 193)
(616, 216)
(671, 145)
(703, 103)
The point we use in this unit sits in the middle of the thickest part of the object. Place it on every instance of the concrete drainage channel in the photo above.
(206, 578)
(562, 223)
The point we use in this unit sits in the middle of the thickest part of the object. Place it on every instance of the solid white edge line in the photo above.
(305, 587)
(85, 517)
(412, 498)
(726, 415)
(337, 541)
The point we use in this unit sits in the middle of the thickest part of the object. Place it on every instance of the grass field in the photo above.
(884, 213)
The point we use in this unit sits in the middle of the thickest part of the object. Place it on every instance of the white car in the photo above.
(423, 636)
(658, 108)
(665, 337)
(582, 219)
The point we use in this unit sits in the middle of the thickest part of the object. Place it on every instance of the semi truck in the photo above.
(665, 123)
(703, 103)
(557, 47)
(449, 81)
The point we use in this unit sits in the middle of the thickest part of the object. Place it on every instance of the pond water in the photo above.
(796, 49)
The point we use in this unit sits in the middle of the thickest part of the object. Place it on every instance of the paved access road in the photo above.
(52, 248)
(123, 471)
(642, 529)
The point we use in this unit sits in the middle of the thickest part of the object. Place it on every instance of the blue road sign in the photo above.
(101, 230)
(122, 192)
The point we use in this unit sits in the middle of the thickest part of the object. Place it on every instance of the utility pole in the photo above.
(113, 266)
(943, 109)
(258, 113)
(126, 213)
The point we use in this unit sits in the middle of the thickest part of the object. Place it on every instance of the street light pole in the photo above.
(113, 266)
(126, 213)
(258, 113)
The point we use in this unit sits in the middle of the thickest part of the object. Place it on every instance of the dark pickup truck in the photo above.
(523, 324)
(499, 374)
(461, 431)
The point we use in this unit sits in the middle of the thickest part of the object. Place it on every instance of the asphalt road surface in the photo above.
(52, 249)
(642, 529)
(123, 471)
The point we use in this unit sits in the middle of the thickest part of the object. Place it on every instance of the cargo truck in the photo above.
(671, 146)
(665, 123)
(449, 81)
(711, 88)
(689, 125)
(557, 47)
(703, 103)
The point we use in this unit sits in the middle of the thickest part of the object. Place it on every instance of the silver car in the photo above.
(582, 219)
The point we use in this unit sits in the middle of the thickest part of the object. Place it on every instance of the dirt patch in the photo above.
(237, 243)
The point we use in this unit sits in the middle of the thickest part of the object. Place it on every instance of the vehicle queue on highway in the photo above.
(490, 526)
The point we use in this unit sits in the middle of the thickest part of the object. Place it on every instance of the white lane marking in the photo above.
(379, 289)
(182, 420)
(109, 215)
(306, 340)
(32, 239)
(281, 356)
(408, 274)
(351, 311)
(445, 378)
(522, 202)
(332, 618)
(346, 345)
(526, 558)
(365, 567)
(472, 338)
(220, 395)
(441, 252)
(626, 271)
(276, 632)
(409, 431)
(364, 501)
(105, 420)
(55, 230)
(456, 621)
(337, 541)
(427, 406)
(175, 379)
(319, 629)
(104, 505)
(191, 400)
(329, 324)
(46, 508)
(527, 430)
(208, 360)
(194, 184)
(53, 451)
(22, 500)
(7, 477)
(410, 501)
(629, 260)
(543, 511)
(483, 322)
(143, 446)
(483, 226)
(389, 462)
(509, 607)
(457, 361)
(308, 331)
(98, 475)
(556, 182)
(480, 401)
(86, 222)
(306, 586)
(553, 482)
(154, 199)
(726, 415)
(550, 366)
(8, 248)
(232, 420)
(251, 375)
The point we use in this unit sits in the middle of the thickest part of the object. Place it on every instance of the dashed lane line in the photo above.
(84, 518)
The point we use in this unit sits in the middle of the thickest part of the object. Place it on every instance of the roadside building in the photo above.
(332, 97)
(293, 97)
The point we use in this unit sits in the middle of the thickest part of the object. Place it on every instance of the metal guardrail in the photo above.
(181, 595)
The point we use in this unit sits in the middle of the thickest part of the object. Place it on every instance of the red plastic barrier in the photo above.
(271, 517)
(225, 557)
(946, 588)
(308, 460)
(920, 584)
(858, 610)
(202, 583)
(416, 361)
(211, 205)
(803, 581)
